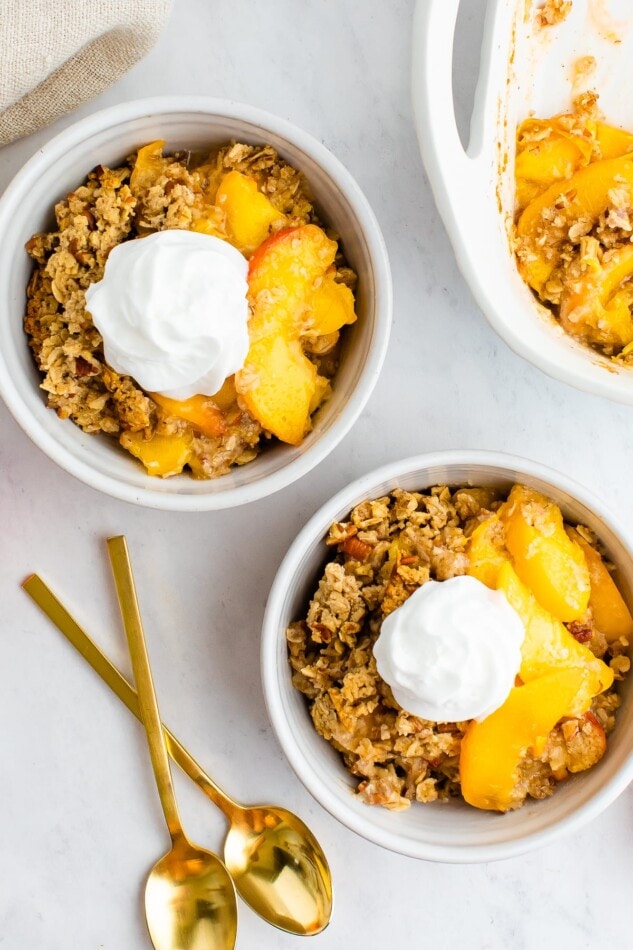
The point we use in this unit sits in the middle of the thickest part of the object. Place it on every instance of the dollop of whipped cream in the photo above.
(173, 313)
(451, 651)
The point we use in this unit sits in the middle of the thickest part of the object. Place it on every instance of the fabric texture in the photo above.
(57, 54)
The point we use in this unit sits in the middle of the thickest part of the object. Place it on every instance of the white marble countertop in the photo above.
(81, 821)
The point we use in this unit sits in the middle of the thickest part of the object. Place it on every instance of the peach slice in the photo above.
(226, 397)
(487, 552)
(162, 455)
(491, 750)
(200, 411)
(331, 307)
(322, 391)
(612, 141)
(249, 213)
(584, 195)
(148, 167)
(282, 277)
(548, 644)
(552, 152)
(546, 560)
(277, 386)
(595, 308)
(610, 613)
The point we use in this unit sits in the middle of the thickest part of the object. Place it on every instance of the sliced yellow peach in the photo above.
(612, 141)
(487, 552)
(162, 455)
(548, 645)
(277, 385)
(596, 308)
(584, 195)
(148, 166)
(226, 397)
(610, 613)
(554, 157)
(322, 390)
(200, 411)
(331, 307)
(249, 213)
(281, 278)
(545, 559)
(492, 750)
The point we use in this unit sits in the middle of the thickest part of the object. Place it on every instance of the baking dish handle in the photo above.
(453, 170)
(432, 89)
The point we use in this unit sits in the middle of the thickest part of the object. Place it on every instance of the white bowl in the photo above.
(441, 831)
(522, 70)
(196, 123)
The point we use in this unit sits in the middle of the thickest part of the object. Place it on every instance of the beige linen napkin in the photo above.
(56, 54)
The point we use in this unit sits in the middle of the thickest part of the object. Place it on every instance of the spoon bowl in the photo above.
(277, 864)
(189, 900)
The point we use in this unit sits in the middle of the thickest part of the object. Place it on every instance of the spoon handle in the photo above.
(46, 600)
(126, 593)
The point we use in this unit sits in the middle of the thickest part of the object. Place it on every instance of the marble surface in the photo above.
(81, 822)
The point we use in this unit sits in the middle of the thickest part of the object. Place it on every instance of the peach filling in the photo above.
(574, 191)
(551, 576)
(297, 306)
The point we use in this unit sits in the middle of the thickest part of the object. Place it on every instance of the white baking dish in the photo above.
(523, 69)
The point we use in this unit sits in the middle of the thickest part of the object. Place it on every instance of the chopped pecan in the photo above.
(84, 368)
(356, 548)
(581, 630)
(81, 256)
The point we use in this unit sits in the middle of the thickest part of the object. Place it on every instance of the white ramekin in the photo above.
(474, 187)
(452, 832)
(187, 122)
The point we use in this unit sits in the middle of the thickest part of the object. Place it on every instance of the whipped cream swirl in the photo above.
(173, 313)
(451, 651)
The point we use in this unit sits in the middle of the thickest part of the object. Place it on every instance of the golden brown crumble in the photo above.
(407, 538)
(116, 205)
(553, 12)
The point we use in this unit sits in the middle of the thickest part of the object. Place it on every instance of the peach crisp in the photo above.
(574, 193)
(559, 709)
(299, 298)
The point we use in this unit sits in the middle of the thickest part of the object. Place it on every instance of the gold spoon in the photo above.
(276, 862)
(189, 896)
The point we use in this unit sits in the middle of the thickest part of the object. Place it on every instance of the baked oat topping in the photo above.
(553, 12)
(574, 187)
(397, 758)
(148, 193)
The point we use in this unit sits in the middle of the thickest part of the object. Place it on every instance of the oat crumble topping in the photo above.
(121, 204)
(385, 550)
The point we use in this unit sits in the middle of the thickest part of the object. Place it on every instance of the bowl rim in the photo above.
(320, 789)
(177, 500)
